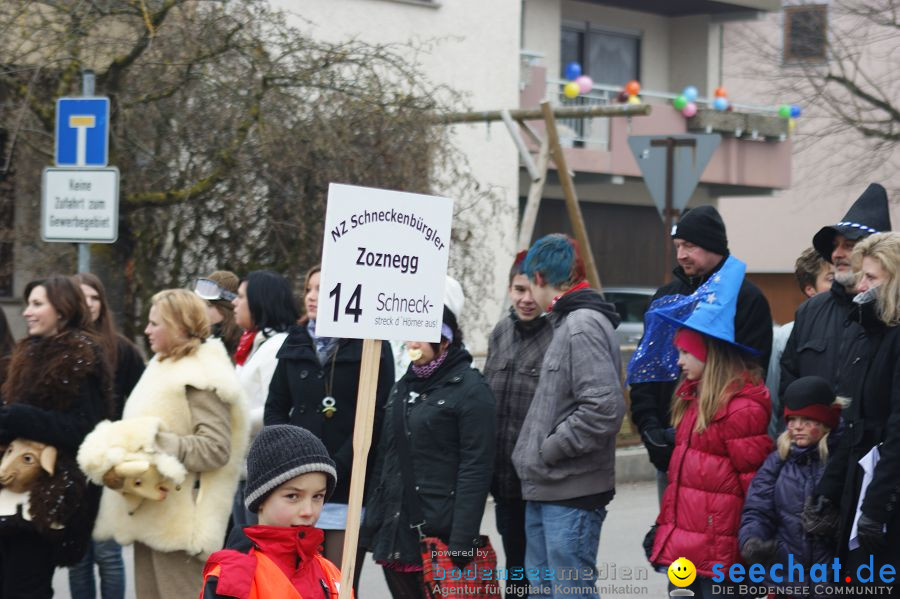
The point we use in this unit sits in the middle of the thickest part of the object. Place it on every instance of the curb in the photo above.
(633, 465)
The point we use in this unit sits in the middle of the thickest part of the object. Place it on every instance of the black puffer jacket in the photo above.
(650, 401)
(452, 441)
(300, 383)
(827, 341)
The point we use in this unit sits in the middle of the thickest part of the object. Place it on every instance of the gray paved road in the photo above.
(622, 568)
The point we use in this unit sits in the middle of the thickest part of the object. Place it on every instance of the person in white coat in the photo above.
(265, 309)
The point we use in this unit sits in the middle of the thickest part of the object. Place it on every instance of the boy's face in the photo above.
(298, 502)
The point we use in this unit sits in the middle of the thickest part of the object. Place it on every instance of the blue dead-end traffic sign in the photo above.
(82, 132)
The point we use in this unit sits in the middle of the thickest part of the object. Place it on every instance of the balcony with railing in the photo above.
(754, 156)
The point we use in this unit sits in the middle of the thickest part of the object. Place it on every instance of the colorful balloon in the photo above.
(795, 111)
(573, 71)
(585, 84)
(690, 92)
(720, 103)
(720, 92)
(634, 100)
(792, 124)
(571, 90)
(679, 102)
(689, 110)
(784, 111)
(622, 97)
(632, 88)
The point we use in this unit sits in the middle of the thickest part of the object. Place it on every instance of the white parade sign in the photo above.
(384, 264)
(80, 205)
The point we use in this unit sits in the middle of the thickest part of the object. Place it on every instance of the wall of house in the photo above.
(471, 46)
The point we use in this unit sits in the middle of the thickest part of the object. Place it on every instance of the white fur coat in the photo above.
(191, 519)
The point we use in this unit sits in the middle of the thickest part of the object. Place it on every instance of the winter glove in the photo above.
(820, 517)
(461, 559)
(871, 537)
(757, 551)
(659, 443)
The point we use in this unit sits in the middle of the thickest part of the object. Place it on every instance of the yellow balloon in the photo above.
(571, 90)
(633, 100)
(792, 124)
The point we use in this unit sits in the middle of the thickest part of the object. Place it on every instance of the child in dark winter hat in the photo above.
(289, 477)
(771, 522)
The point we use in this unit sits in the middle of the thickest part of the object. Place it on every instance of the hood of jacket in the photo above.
(587, 299)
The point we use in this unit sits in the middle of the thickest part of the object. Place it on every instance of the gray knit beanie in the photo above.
(282, 452)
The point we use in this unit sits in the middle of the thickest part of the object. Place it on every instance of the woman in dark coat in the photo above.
(450, 420)
(873, 421)
(58, 389)
(315, 386)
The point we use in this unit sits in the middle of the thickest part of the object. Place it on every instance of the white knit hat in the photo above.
(453, 297)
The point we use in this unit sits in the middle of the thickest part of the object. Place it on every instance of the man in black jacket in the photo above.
(826, 341)
(701, 246)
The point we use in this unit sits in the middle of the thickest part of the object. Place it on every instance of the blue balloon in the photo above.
(720, 103)
(573, 71)
(795, 111)
(690, 92)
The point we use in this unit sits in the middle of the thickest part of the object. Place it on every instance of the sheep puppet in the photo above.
(45, 491)
(123, 456)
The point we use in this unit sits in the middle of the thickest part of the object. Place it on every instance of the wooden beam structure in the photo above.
(535, 114)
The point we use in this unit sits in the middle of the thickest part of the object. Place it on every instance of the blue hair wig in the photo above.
(553, 256)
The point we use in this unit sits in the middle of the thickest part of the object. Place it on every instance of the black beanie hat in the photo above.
(279, 453)
(703, 226)
(868, 214)
(811, 397)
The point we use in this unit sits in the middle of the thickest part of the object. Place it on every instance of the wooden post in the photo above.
(529, 216)
(572, 206)
(362, 440)
(670, 143)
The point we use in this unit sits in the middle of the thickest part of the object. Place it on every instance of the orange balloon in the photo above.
(632, 88)
(721, 93)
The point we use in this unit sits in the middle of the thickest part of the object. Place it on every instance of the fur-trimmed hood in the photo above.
(46, 372)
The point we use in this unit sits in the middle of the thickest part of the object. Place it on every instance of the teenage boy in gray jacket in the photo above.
(565, 455)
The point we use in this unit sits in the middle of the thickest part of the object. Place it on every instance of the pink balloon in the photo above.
(585, 84)
(689, 110)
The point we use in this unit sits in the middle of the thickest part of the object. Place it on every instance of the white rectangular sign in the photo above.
(384, 264)
(80, 205)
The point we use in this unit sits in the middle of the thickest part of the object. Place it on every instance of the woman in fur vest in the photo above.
(56, 392)
(172, 463)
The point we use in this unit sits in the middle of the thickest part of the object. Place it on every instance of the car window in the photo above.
(630, 306)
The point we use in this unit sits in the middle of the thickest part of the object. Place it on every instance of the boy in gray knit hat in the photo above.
(289, 477)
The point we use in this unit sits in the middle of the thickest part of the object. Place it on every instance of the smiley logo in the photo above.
(682, 572)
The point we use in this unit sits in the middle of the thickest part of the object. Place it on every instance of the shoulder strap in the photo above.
(406, 468)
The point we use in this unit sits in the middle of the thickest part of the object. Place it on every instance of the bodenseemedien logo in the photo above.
(681, 574)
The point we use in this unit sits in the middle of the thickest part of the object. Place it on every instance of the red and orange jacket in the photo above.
(284, 563)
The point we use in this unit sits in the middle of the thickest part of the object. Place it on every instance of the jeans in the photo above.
(108, 557)
(563, 540)
(511, 526)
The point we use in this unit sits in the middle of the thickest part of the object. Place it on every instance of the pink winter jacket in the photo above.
(709, 475)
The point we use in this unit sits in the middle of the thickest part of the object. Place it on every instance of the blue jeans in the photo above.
(564, 540)
(108, 556)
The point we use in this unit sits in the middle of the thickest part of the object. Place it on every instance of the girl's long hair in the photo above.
(727, 370)
(104, 325)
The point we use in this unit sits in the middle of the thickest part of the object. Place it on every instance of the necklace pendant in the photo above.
(328, 406)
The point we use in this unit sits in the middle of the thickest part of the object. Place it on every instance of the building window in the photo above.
(608, 57)
(806, 33)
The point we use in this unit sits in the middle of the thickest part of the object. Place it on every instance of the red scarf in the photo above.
(579, 286)
(244, 346)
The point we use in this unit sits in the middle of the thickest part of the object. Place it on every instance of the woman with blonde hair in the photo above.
(171, 465)
(871, 529)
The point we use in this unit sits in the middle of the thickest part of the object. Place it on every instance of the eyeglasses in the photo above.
(211, 291)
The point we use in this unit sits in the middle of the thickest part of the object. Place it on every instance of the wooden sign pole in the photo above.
(362, 440)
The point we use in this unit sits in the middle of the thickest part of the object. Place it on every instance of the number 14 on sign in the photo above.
(352, 308)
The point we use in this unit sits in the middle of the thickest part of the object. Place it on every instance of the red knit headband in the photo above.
(692, 342)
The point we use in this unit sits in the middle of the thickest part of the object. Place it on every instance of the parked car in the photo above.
(630, 303)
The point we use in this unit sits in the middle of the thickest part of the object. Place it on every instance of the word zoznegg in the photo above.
(402, 262)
